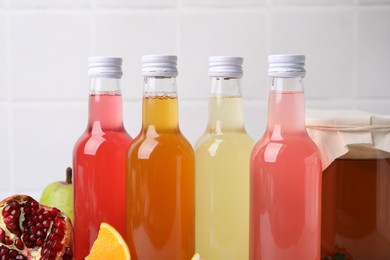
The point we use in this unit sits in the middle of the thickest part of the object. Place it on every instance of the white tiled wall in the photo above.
(44, 45)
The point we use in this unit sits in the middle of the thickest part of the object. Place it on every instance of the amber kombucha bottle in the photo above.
(160, 172)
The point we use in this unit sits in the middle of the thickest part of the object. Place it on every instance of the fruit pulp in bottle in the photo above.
(160, 186)
(285, 186)
(356, 208)
(100, 172)
(222, 185)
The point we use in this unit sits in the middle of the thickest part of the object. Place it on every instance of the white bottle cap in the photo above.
(225, 66)
(107, 67)
(286, 65)
(159, 65)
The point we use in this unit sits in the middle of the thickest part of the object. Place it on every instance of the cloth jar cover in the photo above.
(337, 132)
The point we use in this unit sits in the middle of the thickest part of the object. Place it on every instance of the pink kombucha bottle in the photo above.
(285, 172)
(99, 158)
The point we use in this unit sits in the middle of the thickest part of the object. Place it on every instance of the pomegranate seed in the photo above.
(8, 241)
(33, 238)
(55, 211)
(41, 218)
(13, 253)
(39, 242)
(20, 257)
(39, 226)
(6, 211)
(15, 212)
(46, 214)
(41, 234)
(33, 230)
(12, 227)
(14, 204)
(3, 250)
(34, 204)
(9, 219)
(29, 244)
(40, 211)
(51, 236)
(27, 210)
(19, 244)
(58, 232)
(52, 244)
(25, 236)
(2, 234)
(30, 223)
(44, 251)
(46, 223)
(59, 222)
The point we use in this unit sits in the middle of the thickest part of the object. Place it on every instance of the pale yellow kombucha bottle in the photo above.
(222, 157)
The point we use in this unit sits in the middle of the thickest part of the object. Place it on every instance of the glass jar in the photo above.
(355, 185)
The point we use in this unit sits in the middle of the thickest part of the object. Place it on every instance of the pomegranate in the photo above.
(31, 231)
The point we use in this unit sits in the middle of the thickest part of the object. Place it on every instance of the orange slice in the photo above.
(109, 245)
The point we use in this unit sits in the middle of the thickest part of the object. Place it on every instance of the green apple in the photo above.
(60, 195)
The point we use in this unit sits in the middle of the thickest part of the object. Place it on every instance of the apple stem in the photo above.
(68, 175)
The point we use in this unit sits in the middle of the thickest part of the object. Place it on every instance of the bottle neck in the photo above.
(225, 105)
(160, 106)
(100, 85)
(286, 108)
(105, 104)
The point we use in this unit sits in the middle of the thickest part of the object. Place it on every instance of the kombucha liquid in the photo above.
(160, 186)
(222, 185)
(285, 187)
(356, 209)
(100, 172)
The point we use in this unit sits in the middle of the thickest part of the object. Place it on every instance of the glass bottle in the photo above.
(222, 156)
(285, 180)
(99, 158)
(160, 172)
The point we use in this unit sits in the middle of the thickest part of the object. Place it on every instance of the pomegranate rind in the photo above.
(34, 253)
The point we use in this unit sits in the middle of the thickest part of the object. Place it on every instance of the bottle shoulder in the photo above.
(290, 145)
(107, 138)
(232, 140)
(169, 141)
